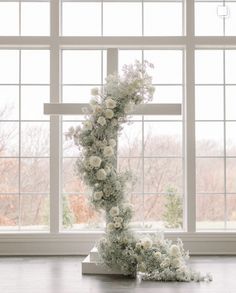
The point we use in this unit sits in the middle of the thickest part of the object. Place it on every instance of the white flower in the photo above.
(110, 103)
(108, 151)
(110, 226)
(87, 125)
(118, 185)
(97, 109)
(95, 161)
(98, 195)
(107, 169)
(95, 91)
(165, 263)
(146, 243)
(117, 225)
(128, 108)
(114, 122)
(174, 250)
(114, 211)
(118, 219)
(176, 262)
(138, 245)
(101, 120)
(109, 113)
(157, 254)
(112, 142)
(101, 174)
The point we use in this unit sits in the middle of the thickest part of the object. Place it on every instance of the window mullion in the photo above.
(55, 121)
(190, 170)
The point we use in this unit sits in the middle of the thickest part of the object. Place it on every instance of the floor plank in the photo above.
(63, 275)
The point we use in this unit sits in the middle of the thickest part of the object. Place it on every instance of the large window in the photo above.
(184, 166)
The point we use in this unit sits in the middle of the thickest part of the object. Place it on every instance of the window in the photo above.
(56, 51)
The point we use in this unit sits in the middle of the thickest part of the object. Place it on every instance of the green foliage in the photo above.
(173, 215)
(68, 217)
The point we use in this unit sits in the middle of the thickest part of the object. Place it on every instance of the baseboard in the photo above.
(82, 243)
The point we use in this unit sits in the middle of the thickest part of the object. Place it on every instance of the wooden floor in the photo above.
(63, 275)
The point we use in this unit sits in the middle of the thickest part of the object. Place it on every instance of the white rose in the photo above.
(112, 142)
(95, 91)
(114, 211)
(117, 225)
(95, 161)
(110, 103)
(101, 120)
(176, 262)
(147, 243)
(138, 245)
(109, 113)
(108, 151)
(98, 195)
(97, 109)
(87, 125)
(110, 226)
(101, 174)
(174, 250)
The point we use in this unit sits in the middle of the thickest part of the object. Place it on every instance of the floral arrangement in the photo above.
(152, 256)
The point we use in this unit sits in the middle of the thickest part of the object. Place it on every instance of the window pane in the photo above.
(230, 22)
(122, 19)
(34, 139)
(161, 173)
(33, 98)
(162, 19)
(167, 94)
(231, 211)
(230, 102)
(210, 139)
(167, 66)
(210, 175)
(35, 66)
(78, 213)
(231, 175)
(35, 19)
(34, 212)
(69, 148)
(209, 66)
(71, 181)
(230, 66)
(137, 201)
(162, 139)
(205, 98)
(9, 66)
(81, 19)
(130, 140)
(9, 170)
(82, 67)
(9, 139)
(210, 211)
(207, 21)
(231, 138)
(9, 211)
(9, 19)
(35, 175)
(77, 94)
(9, 103)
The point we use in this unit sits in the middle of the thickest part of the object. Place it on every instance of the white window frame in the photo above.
(56, 242)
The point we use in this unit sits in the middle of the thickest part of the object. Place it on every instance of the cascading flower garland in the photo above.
(121, 249)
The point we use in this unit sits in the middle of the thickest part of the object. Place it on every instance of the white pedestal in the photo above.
(91, 265)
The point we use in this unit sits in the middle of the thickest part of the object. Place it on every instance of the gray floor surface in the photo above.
(63, 275)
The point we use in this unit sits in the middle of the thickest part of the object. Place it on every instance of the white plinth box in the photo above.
(92, 266)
